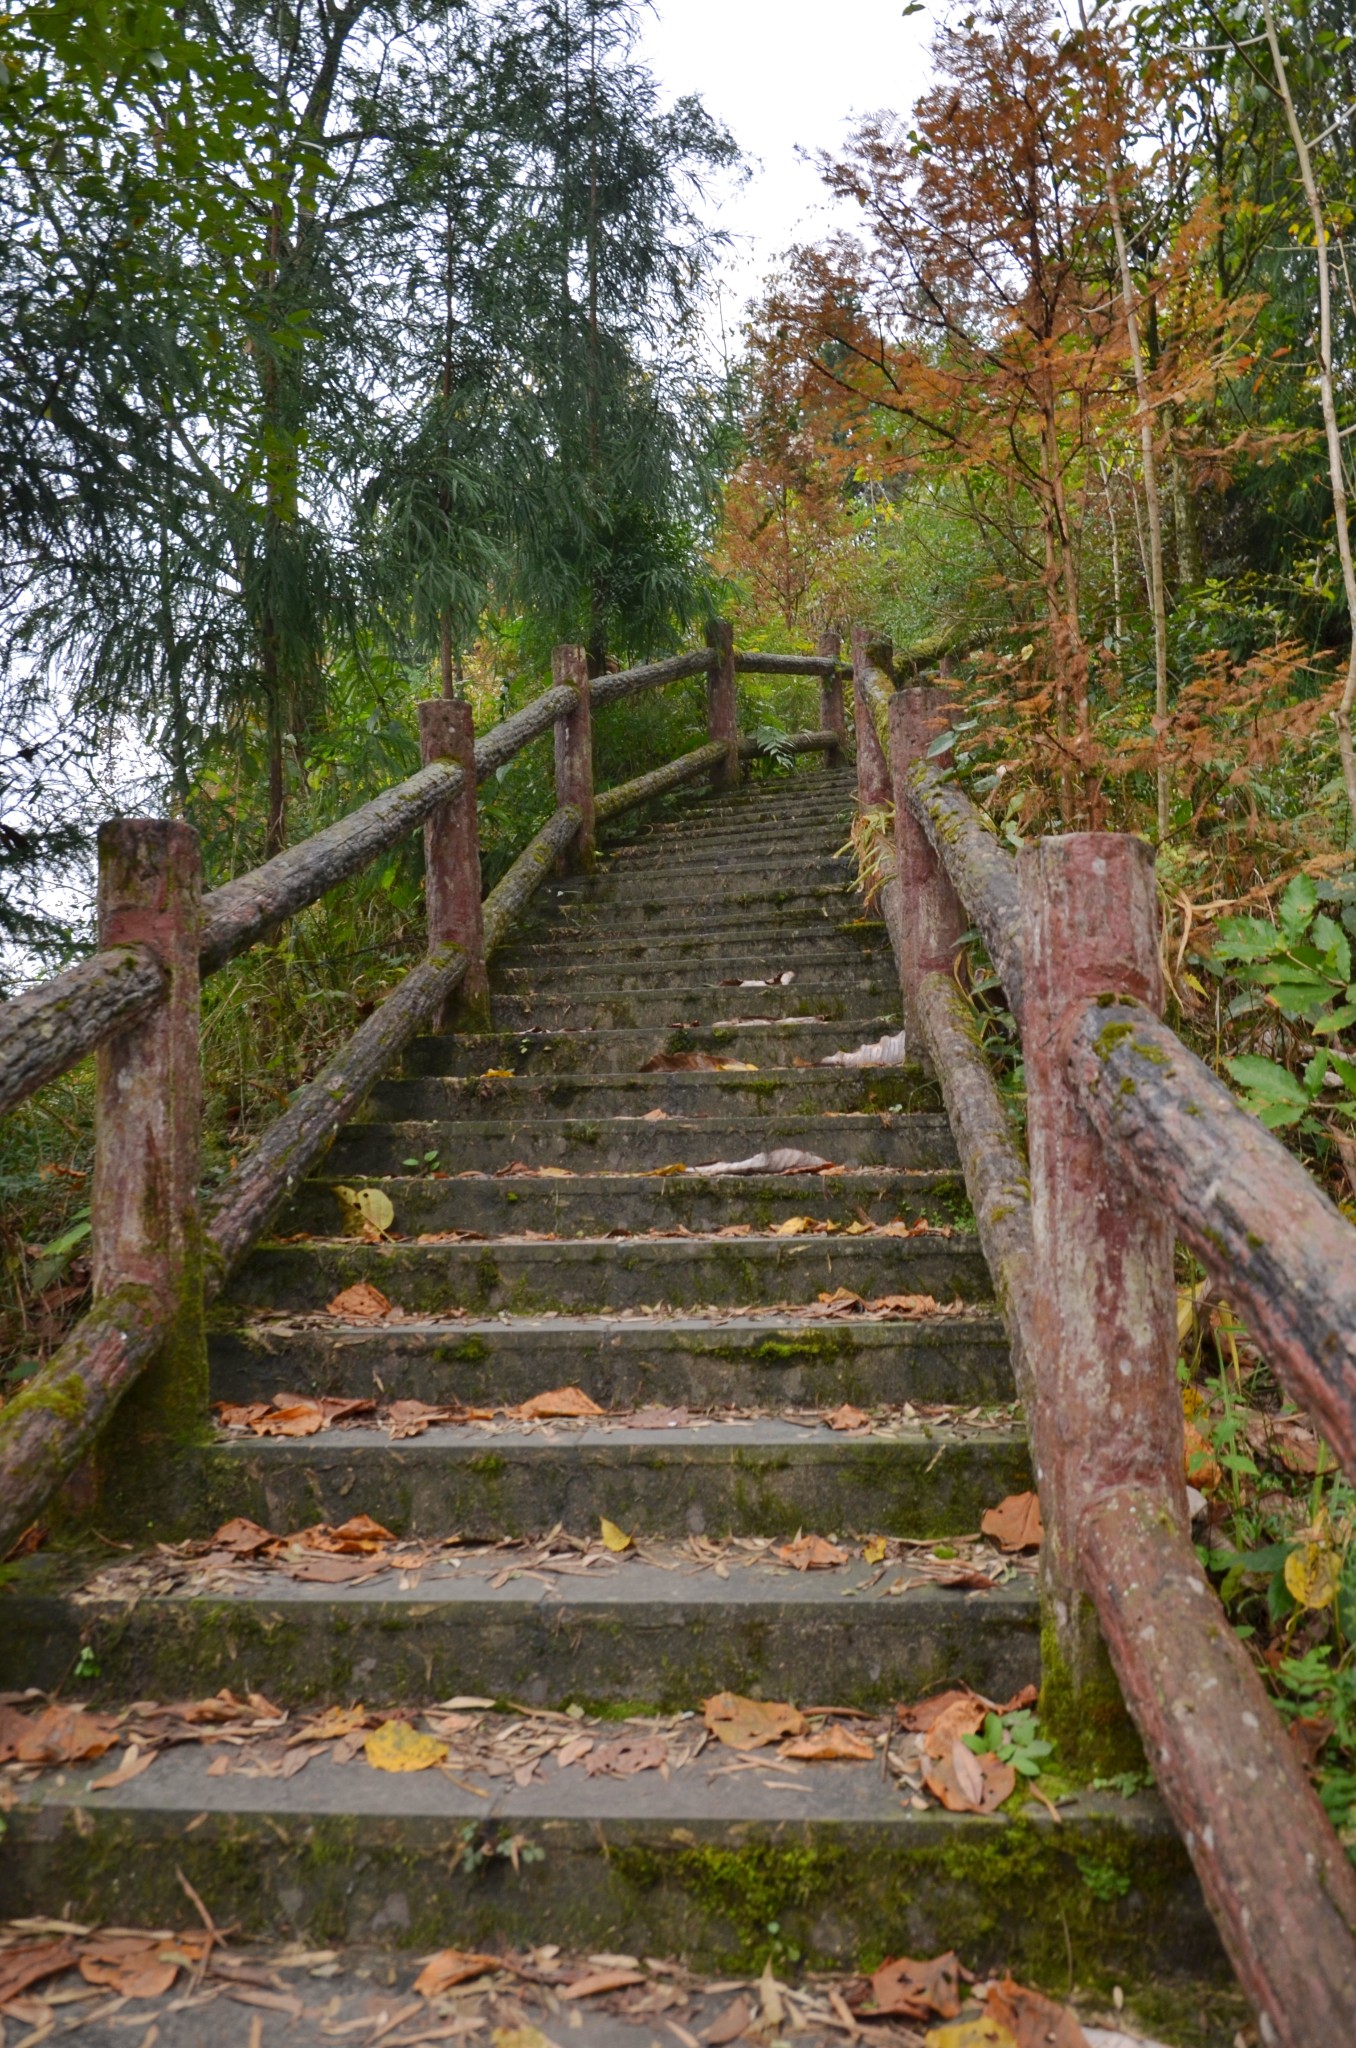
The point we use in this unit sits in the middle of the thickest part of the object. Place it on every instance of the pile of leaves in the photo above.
(364, 1303)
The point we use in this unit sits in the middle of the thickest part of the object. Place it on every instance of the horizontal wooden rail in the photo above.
(983, 873)
(789, 665)
(643, 789)
(45, 1031)
(630, 682)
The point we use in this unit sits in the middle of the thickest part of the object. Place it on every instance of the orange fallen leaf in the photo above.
(133, 1764)
(30, 1963)
(1203, 1468)
(452, 1966)
(1033, 2020)
(832, 1745)
(962, 1716)
(559, 1402)
(358, 1536)
(811, 1554)
(966, 1783)
(727, 2026)
(242, 1537)
(750, 1724)
(361, 1303)
(847, 1417)
(914, 1990)
(599, 1981)
(65, 1735)
(295, 1418)
(1015, 1524)
(141, 1974)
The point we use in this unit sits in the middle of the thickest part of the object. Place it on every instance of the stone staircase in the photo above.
(609, 1273)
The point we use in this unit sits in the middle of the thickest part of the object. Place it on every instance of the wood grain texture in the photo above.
(983, 873)
(825, 665)
(872, 690)
(1276, 1878)
(45, 1032)
(930, 935)
(722, 702)
(1282, 1252)
(452, 859)
(630, 682)
(574, 753)
(643, 789)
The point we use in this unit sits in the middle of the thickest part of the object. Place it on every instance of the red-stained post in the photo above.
(574, 754)
(932, 918)
(1104, 1339)
(873, 772)
(722, 707)
(452, 862)
(832, 717)
(145, 1229)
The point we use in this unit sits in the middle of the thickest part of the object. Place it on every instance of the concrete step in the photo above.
(703, 1005)
(714, 914)
(622, 879)
(780, 1091)
(620, 898)
(763, 948)
(664, 1631)
(636, 1145)
(860, 976)
(621, 1362)
(591, 1205)
(761, 1477)
(626, 1051)
(504, 1277)
(711, 1864)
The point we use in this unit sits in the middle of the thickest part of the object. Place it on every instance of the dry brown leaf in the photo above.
(655, 1116)
(452, 1966)
(359, 1535)
(242, 1537)
(1015, 1524)
(695, 1063)
(133, 1764)
(832, 1745)
(1203, 1469)
(736, 2019)
(1033, 2020)
(750, 1724)
(783, 1159)
(847, 1417)
(961, 1716)
(916, 1990)
(65, 1735)
(624, 1758)
(140, 1974)
(811, 1554)
(30, 1963)
(922, 1715)
(559, 1402)
(361, 1303)
(599, 1981)
(966, 1783)
(412, 1418)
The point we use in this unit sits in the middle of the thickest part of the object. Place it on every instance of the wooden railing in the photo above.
(1132, 1143)
(160, 1254)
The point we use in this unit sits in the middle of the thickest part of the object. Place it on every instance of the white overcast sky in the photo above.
(782, 73)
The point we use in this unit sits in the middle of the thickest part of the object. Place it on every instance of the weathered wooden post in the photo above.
(145, 1230)
(873, 772)
(932, 918)
(574, 754)
(452, 861)
(1104, 1336)
(831, 714)
(722, 706)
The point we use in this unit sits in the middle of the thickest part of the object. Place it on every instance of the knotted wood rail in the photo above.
(160, 1259)
(1132, 1143)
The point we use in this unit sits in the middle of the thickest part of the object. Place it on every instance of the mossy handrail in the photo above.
(159, 1259)
(1131, 1143)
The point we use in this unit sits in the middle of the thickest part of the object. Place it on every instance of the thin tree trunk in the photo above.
(1336, 471)
(1117, 606)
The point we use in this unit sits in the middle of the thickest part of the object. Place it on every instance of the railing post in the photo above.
(1104, 1337)
(574, 754)
(831, 714)
(145, 1228)
(873, 773)
(932, 918)
(452, 862)
(722, 707)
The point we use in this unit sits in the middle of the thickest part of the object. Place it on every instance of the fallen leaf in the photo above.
(562, 1401)
(1202, 1467)
(655, 1116)
(133, 1764)
(913, 1990)
(978, 1784)
(832, 1745)
(783, 1159)
(1015, 1524)
(360, 1534)
(65, 1735)
(736, 2019)
(1309, 1734)
(875, 1550)
(1288, 1441)
(395, 1746)
(497, 1074)
(793, 1226)
(1032, 2019)
(406, 1419)
(363, 1207)
(750, 1724)
(624, 1758)
(811, 1554)
(30, 1963)
(334, 1723)
(847, 1417)
(963, 1715)
(141, 1975)
(361, 1303)
(695, 1063)
(614, 1539)
(772, 2006)
(520, 2037)
(242, 1537)
(1312, 1575)
(980, 2032)
(452, 1966)
(599, 1981)
(884, 1052)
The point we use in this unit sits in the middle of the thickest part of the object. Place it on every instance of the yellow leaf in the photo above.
(614, 1538)
(365, 1205)
(874, 1551)
(497, 1074)
(519, 2037)
(395, 1746)
(1311, 1575)
(794, 1226)
(977, 2033)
